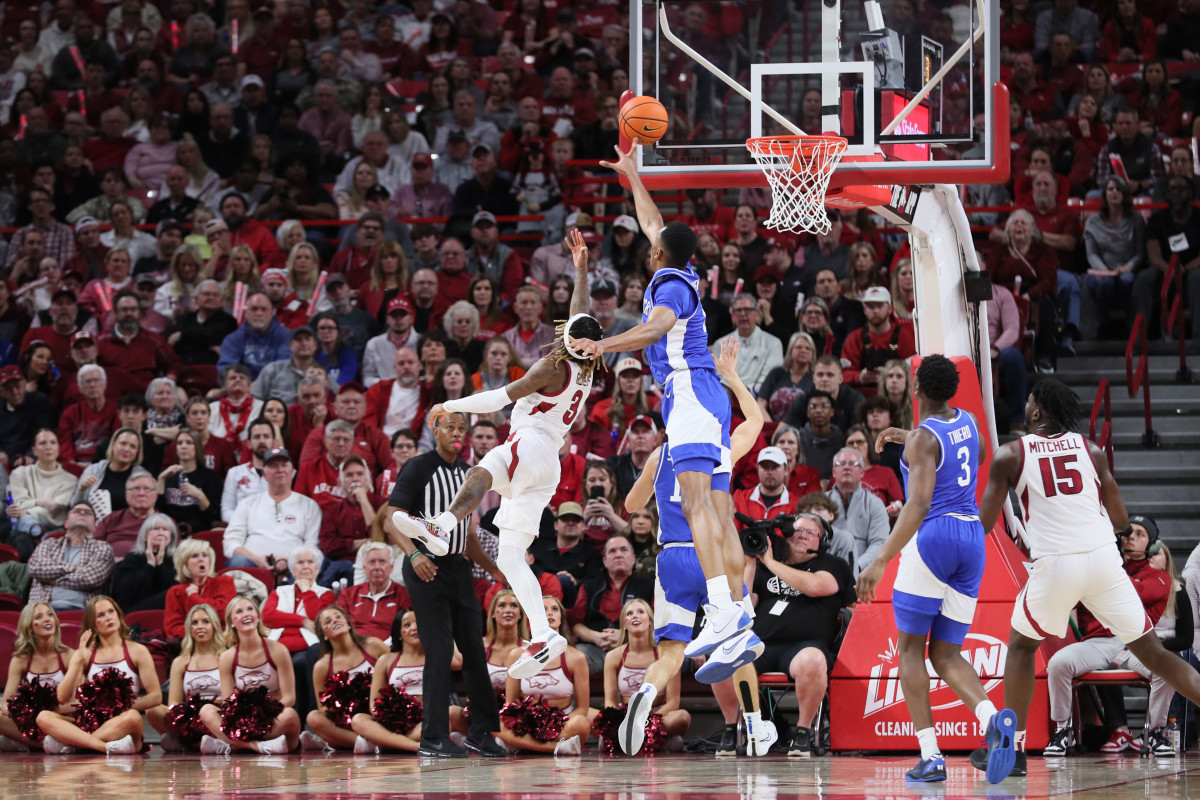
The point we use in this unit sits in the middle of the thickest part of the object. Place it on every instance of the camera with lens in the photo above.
(756, 536)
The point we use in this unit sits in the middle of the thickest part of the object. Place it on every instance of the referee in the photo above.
(443, 595)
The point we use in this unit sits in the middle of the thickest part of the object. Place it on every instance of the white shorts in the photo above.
(525, 473)
(1096, 579)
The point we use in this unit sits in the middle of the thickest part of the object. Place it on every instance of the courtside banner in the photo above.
(867, 708)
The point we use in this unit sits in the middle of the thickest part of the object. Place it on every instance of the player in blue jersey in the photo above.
(942, 550)
(680, 587)
(695, 407)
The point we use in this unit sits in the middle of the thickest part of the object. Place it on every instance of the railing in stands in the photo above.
(1172, 316)
(1139, 378)
(1102, 404)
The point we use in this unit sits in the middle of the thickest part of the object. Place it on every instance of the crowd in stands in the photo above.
(244, 256)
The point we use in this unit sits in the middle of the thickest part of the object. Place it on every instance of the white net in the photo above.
(798, 168)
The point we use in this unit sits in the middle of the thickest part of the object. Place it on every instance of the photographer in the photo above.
(770, 498)
(798, 589)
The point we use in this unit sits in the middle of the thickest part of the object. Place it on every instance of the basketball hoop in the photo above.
(798, 169)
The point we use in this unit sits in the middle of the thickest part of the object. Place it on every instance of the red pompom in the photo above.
(345, 695)
(249, 714)
(184, 719)
(397, 711)
(30, 699)
(532, 716)
(609, 721)
(103, 697)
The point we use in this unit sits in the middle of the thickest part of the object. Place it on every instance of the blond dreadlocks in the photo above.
(559, 353)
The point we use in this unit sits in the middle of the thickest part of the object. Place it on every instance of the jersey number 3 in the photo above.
(1059, 477)
(571, 413)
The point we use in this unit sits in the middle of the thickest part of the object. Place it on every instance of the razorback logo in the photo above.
(543, 681)
(986, 655)
(543, 407)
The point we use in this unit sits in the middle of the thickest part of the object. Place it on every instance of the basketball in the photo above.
(644, 120)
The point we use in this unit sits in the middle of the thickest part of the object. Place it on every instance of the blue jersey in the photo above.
(686, 345)
(958, 465)
(672, 524)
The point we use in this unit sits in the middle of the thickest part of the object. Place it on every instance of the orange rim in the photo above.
(790, 144)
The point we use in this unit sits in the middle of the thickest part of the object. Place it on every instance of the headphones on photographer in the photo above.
(826, 529)
(1154, 544)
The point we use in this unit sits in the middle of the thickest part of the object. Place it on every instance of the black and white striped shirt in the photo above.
(426, 486)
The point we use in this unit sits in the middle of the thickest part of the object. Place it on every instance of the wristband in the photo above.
(413, 556)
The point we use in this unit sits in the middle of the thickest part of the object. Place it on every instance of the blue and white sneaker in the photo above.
(729, 656)
(1001, 745)
(928, 770)
(720, 625)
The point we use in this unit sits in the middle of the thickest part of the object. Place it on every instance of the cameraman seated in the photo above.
(798, 589)
(770, 498)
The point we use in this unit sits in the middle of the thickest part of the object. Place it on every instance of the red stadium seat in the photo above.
(8, 553)
(11, 602)
(70, 631)
(8, 640)
(151, 619)
(265, 575)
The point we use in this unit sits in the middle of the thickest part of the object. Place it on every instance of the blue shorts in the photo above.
(697, 416)
(680, 590)
(937, 584)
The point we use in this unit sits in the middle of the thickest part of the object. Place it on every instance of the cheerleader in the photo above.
(342, 650)
(562, 684)
(403, 668)
(250, 662)
(507, 627)
(103, 645)
(625, 671)
(195, 673)
(38, 653)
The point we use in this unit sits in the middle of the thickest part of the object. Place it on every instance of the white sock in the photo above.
(446, 521)
(650, 691)
(753, 721)
(1019, 741)
(984, 713)
(927, 738)
(525, 586)
(718, 592)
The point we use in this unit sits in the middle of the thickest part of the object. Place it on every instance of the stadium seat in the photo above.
(8, 553)
(10, 602)
(265, 575)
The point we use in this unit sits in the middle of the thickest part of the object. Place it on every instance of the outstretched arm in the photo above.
(649, 217)
(542, 374)
(643, 488)
(742, 439)
(580, 297)
(638, 337)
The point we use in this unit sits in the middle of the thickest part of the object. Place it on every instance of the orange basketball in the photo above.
(644, 120)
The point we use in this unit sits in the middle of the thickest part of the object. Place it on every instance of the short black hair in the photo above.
(818, 393)
(1058, 402)
(133, 400)
(404, 433)
(679, 243)
(879, 401)
(586, 328)
(259, 421)
(937, 377)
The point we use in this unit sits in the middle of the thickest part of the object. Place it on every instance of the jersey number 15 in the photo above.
(1059, 477)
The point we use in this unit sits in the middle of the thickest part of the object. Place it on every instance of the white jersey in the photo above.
(553, 413)
(1059, 490)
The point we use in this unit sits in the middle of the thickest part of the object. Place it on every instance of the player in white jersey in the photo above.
(1073, 514)
(524, 470)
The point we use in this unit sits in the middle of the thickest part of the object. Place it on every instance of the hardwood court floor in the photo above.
(594, 777)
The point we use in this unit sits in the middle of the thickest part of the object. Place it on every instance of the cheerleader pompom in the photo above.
(103, 697)
(397, 711)
(184, 719)
(249, 714)
(609, 720)
(532, 716)
(29, 700)
(345, 695)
